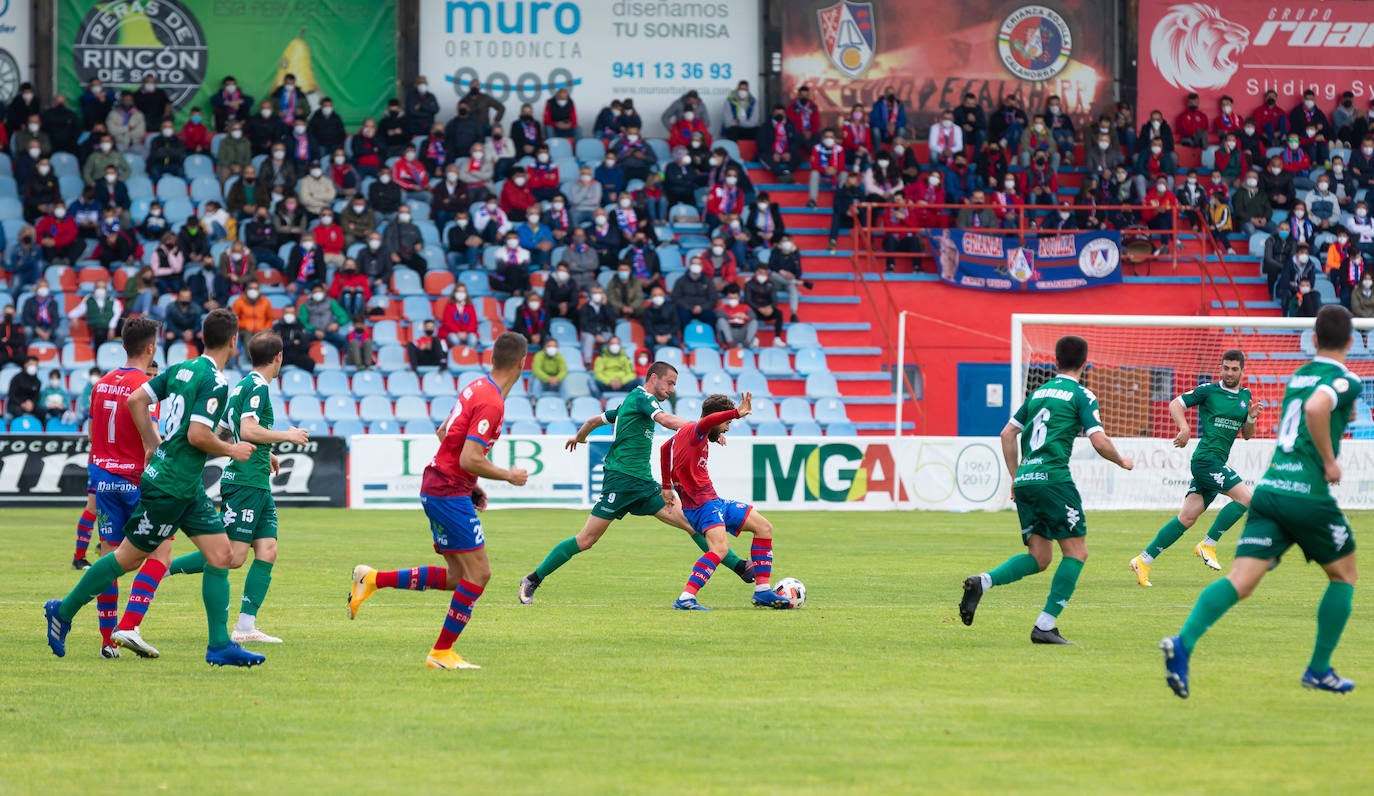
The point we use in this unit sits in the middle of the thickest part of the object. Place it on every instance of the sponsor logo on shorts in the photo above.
(1220, 478)
(1257, 541)
(1072, 516)
(1339, 535)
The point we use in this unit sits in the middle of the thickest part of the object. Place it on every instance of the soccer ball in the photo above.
(792, 589)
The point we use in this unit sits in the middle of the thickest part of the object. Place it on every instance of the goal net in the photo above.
(1138, 364)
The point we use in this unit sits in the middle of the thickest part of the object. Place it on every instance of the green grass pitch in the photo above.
(601, 688)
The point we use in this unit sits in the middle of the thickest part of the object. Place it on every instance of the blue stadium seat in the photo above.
(563, 330)
(170, 186)
(519, 409)
(688, 407)
(549, 409)
(706, 360)
(367, 382)
(440, 406)
(403, 382)
(410, 408)
(845, 429)
(476, 283)
(698, 335)
(26, 424)
(108, 356)
(205, 189)
(417, 309)
(317, 427)
(384, 426)
(794, 411)
(197, 166)
(304, 408)
(718, 382)
(688, 387)
(806, 428)
(375, 407)
(140, 187)
(670, 259)
(738, 360)
(752, 381)
(64, 164)
(348, 428)
(331, 382)
(801, 335)
(775, 362)
(526, 428)
(811, 360)
(57, 426)
(822, 384)
(437, 383)
(770, 428)
(178, 210)
(562, 428)
(281, 419)
(468, 377)
(406, 282)
(576, 385)
(588, 150)
(296, 382)
(339, 407)
(830, 411)
(672, 355)
(559, 147)
(730, 147)
(422, 427)
(585, 407)
(392, 359)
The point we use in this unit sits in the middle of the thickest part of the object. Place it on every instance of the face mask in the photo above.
(492, 208)
(460, 297)
(551, 351)
(1230, 145)
(717, 250)
(278, 155)
(898, 150)
(1305, 289)
(1322, 186)
(317, 296)
(632, 137)
(1225, 108)
(1337, 169)
(934, 182)
(777, 117)
(947, 123)
(1162, 187)
(43, 292)
(234, 134)
(374, 245)
(359, 208)
(1342, 240)
(1155, 123)
(694, 269)
(882, 164)
(384, 178)
(1154, 150)
(326, 220)
(1302, 258)
(597, 298)
(512, 244)
(558, 206)
(519, 182)
(287, 318)
(265, 113)
(60, 212)
(1283, 233)
(307, 244)
(410, 157)
(828, 141)
(1192, 180)
(731, 181)
(562, 103)
(327, 110)
(761, 278)
(786, 247)
(111, 178)
(1367, 150)
(1252, 182)
(252, 294)
(657, 301)
(1276, 170)
(1249, 131)
(560, 276)
(1104, 145)
(1010, 185)
(533, 219)
(316, 172)
(43, 170)
(1311, 132)
(1064, 214)
(1361, 212)
(1299, 213)
(614, 348)
(167, 132)
(32, 370)
(404, 218)
(732, 302)
(1309, 104)
(714, 162)
(1292, 144)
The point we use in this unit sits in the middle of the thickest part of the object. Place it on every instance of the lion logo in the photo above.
(1195, 48)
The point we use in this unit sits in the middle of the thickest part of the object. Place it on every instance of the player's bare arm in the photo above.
(593, 423)
(250, 430)
(140, 404)
(670, 422)
(201, 436)
(1317, 411)
(1179, 412)
(474, 460)
(1247, 430)
(1011, 452)
(1107, 450)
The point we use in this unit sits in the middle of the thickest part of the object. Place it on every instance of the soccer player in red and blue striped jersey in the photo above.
(683, 467)
(451, 499)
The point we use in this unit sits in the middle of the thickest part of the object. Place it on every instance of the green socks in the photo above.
(557, 557)
(730, 561)
(1332, 613)
(189, 564)
(1062, 586)
(1170, 533)
(1014, 569)
(1229, 515)
(96, 579)
(214, 591)
(255, 587)
(1215, 601)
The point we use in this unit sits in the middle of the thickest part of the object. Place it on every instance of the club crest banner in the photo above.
(1038, 264)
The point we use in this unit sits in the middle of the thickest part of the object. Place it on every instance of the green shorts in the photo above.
(158, 515)
(623, 494)
(1277, 522)
(249, 514)
(1054, 511)
(1212, 478)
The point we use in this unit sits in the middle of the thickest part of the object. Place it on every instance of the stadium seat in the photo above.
(526, 428)
(403, 382)
(437, 383)
(718, 382)
(698, 335)
(794, 410)
(845, 429)
(752, 381)
(420, 427)
(366, 382)
(519, 409)
(296, 382)
(331, 383)
(806, 428)
(585, 407)
(75, 356)
(687, 407)
(811, 360)
(770, 428)
(196, 166)
(563, 428)
(108, 356)
(830, 411)
(588, 150)
(57, 426)
(822, 384)
(672, 355)
(375, 407)
(280, 417)
(476, 282)
(1308, 342)
(384, 426)
(550, 409)
(464, 358)
(339, 407)
(170, 187)
(468, 377)
(405, 282)
(688, 387)
(205, 189)
(801, 335)
(410, 408)
(706, 360)
(774, 362)
(304, 408)
(576, 385)
(386, 333)
(440, 407)
(417, 309)
(563, 330)
(348, 428)
(391, 359)
(738, 360)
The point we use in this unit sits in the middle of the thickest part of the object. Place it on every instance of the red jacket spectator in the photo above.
(1228, 122)
(196, 137)
(516, 198)
(920, 194)
(805, 118)
(1295, 160)
(458, 320)
(63, 232)
(355, 281)
(1007, 204)
(823, 158)
(856, 136)
(543, 175)
(1154, 166)
(722, 199)
(1041, 176)
(727, 272)
(410, 175)
(1270, 116)
(367, 152)
(1223, 160)
(1190, 123)
(680, 134)
(1157, 202)
(330, 238)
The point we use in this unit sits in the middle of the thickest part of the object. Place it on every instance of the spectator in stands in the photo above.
(117, 247)
(358, 221)
(1192, 200)
(1124, 123)
(324, 318)
(741, 114)
(24, 393)
(260, 236)
(959, 179)
(61, 124)
(1346, 124)
(140, 295)
(613, 371)
(1362, 164)
(516, 196)
(358, 346)
(111, 192)
(1322, 203)
(153, 102)
(350, 288)
(54, 401)
(1344, 266)
(458, 320)
(181, 321)
(604, 237)
(476, 174)
(288, 221)
(304, 266)
(395, 129)
(1041, 181)
(105, 157)
(1277, 182)
(42, 193)
(1342, 184)
(974, 216)
(1298, 272)
(344, 177)
(427, 349)
(317, 192)
(374, 263)
(607, 124)
(688, 126)
(1362, 300)
(25, 263)
(486, 109)
(720, 264)
(462, 131)
(166, 154)
(1009, 202)
(229, 105)
(536, 238)
(689, 102)
(1270, 120)
(662, 326)
(1155, 130)
(1252, 207)
(1304, 231)
(491, 222)
(87, 212)
(635, 157)
(127, 126)
(368, 156)
(102, 313)
(278, 172)
(583, 262)
(805, 118)
(845, 208)
(827, 162)
(1008, 123)
(288, 101)
(1228, 122)
(1279, 251)
(13, 341)
(26, 162)
(247, 196)
(325, 129)
(1361, 227)
(22, 106)
(532, 320)
(421, 107)
(194, 241)
(900, 223)
(511, 275)
(969, 116)
(463, 244)
(549, 369)
(1295, 160)
(1307, 300)
(1308, 119)
(195, 136)
(882, 182)
(169, 262)
(294, 337)
(1061, 129)
(680, 180)
(42, 314)
(384, 196)
(403, 242)
(736, 324)
(763, 222)
(727, 197)
(30, 135)
(776, 144)
(596, 323)
(544, 179)
(992, 166)
(1231, 160)
(58, 236)
(526, 134)
(1192, 124)
(1217, 215)
(96, 102)
(625, 293)
(887, 120)
(946, 138)
(762, 297)
(560, 115)
(1102, 157)
(695, 295)
(1160, 205)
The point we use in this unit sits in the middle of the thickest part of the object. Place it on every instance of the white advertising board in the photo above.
(16, 49)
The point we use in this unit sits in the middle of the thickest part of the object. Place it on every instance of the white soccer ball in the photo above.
(792, 589)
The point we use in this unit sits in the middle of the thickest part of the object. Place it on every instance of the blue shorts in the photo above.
(115, 500)
(730, 513)
(454, 523)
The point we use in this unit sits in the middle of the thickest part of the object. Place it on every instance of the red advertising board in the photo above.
(1244, 48)
(935, 52)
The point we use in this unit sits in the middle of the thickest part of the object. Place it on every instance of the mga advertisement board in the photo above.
(16, 47)
(1243, 48)
(932, 53)
(651, 52)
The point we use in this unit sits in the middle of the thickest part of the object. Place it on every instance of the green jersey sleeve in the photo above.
(1197, 395)
(157, 385)
(1019, 418)
(207, 406)
(1088, 415)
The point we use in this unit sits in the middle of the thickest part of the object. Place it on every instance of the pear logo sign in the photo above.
(123, 43)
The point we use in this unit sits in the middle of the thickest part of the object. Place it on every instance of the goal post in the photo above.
(1137, 365)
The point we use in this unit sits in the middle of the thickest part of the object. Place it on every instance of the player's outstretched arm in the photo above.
(250, 430)
(593, 423)
(1179, 412)
(670, 422)
(139, 404)
(1107, 450)
(474, 460)
(1317, 414)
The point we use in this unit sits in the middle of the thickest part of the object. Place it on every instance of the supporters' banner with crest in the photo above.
(342, 49)
(932, 53)
(1243, 49)
(1036, 264)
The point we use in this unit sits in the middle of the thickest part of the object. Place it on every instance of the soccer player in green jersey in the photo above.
(1292, 505)
(1047, 501)
(1224, 410)
(629, 486)
(249, 513)
(172, 492)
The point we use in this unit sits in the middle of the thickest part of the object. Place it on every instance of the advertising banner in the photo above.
(1039, 264)
(343, 49)
(50, 470)
(16, 46)
(932, 53)
(387, 470)
(1243, 48)
(651, 52)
